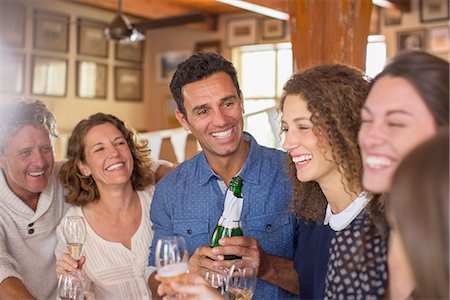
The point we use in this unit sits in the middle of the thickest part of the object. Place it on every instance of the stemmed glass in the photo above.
(70, 287)
(217, 279)
(172, 262)
(75, 235)
(241, 280)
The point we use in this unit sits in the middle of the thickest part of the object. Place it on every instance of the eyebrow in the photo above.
(205, 106)
(389, 112)
(298, 119)
(101, 143)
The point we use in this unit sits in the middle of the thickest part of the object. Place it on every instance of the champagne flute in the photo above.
(241, 281)
(70, 287)
(172, 262)
(75, 235)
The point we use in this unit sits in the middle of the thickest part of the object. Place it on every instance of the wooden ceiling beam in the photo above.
(403, 5)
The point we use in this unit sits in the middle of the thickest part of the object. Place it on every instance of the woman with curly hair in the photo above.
(340, 253)
(110, 180)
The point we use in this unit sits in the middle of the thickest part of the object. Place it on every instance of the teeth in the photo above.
(302, 158)
(36, 174)
(114, 166)
(223, 134)
(378, 162)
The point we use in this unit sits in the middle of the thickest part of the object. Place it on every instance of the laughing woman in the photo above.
(340, 254)
(110, 182)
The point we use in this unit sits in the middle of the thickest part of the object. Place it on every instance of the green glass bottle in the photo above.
(230, 222)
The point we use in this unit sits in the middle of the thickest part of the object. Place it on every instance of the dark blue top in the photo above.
(188, 202)
(311, 258)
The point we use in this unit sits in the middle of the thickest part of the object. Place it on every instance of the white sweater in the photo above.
(112, 270)
(28, 239)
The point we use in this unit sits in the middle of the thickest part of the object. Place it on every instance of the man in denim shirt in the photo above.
(189, 201)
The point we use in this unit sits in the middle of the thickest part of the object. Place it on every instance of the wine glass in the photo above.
(217, 279)
(75, 235)
(172, 262)
(241, 280)
(70, 286)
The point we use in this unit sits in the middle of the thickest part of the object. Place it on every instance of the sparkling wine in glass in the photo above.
(75, 235)
(241, 281)
(172, 262)
(70, 287)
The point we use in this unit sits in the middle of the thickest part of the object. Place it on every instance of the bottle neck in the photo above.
(229, 223)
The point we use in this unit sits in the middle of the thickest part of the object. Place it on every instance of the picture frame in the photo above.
(273, 29)
(375, 20)
(411, 40)
(128, 83)
(439, 38)
(12, 73)
(91, 39)
(433, 10)
(12, 24)
(51, 31)
(92, 78)
(131, 52)
(241, 31)
(167, 62)
(392, 16)
(208, 46)
(170, 117)
(49, 76)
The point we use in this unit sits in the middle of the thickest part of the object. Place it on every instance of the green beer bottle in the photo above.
(230, 222)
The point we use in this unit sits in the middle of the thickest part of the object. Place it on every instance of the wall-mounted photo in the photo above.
(273, 29)
(51, 31)
(12, 73)
(129, 51)
(91, 38)
(209, 46)
(411, 40)
(91, 79)
(392, 16)
(434, 10)
(12, 24)
(439, 39)
(128, 83)
(241, 31)
(167, 62)
(49, 76)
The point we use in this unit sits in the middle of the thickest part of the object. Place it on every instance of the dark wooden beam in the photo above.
(403, 5)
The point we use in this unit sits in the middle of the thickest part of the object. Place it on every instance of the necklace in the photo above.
(341, 220)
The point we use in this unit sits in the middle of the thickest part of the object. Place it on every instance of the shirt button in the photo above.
(30, 225)
(269, 226)
(189, 231)
(31, 231)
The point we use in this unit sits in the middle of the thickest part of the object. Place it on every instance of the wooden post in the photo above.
(329, 31)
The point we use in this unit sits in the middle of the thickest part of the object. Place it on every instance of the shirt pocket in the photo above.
(274, 232)
(195, 232)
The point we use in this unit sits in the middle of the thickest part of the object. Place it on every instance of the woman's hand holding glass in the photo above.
(172, 263)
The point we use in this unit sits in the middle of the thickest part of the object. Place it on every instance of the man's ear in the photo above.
(3, 161)
(182, 120)
(85, 170)
(241, 97)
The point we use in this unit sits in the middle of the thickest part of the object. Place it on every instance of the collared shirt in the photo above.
(188, 202)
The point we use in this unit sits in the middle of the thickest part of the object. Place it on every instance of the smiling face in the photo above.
(214, 115)
(27, 162)
(312, 162)
(395, 119)
(107, 156)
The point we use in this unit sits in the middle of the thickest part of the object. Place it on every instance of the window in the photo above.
(375, 55)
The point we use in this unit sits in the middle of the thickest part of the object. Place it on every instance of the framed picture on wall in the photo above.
(129, 51)
(167, 62)
(91, 38)
(439, 39)
(128, 83)
(411, 40)
(392, 16)
(433, 10)
(49, 76)
(12, 73)
(273, 29)
(91, 79)
(241, 31)
(210, 46)
(51, 31)
(12, 24)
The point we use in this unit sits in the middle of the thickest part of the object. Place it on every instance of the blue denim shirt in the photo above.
(188, 202)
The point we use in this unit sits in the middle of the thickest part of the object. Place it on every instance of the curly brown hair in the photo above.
(83, 189)
(334, 94)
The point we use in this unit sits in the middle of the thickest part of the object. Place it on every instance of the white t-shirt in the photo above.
(113, 271)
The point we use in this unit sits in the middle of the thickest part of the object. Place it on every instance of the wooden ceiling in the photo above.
(156, 9)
